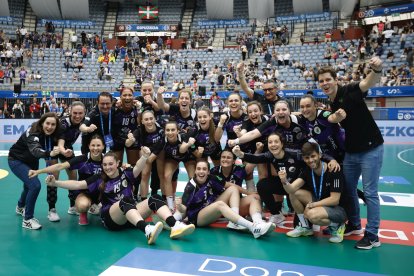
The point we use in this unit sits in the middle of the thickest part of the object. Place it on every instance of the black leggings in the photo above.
(266, 188)
(51, 196)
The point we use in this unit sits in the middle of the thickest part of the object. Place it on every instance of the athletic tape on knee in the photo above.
(155, 202)
(126, 204)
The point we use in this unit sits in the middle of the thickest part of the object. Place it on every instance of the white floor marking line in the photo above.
(402, 159)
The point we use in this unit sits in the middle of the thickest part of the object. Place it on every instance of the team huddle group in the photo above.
(297, 154)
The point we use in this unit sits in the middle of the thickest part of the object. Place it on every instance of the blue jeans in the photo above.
(31, 187)
(368, 164)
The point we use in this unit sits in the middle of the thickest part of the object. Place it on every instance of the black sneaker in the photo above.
(368, 242)
(352, 230)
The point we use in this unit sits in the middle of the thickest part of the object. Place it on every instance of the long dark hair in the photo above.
(104, 176)
(282, 138)
(211, 128)
(97, 136)
(37, 127)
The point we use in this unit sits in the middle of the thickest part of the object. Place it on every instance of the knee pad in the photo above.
(126, 204)
(155, 202)
(261, 185)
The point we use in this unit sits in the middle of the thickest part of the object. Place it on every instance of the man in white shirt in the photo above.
(74, 40)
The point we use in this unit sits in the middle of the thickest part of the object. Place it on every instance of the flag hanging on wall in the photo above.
(148, 12)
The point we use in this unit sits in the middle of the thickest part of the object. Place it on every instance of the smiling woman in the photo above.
(39, 141)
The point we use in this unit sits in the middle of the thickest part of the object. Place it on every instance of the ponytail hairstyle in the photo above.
(188, 91)
(285, 102)
(204, 161)
(126, 88)
(282, 138)
(97, 136)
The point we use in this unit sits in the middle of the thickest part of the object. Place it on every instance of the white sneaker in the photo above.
(72, 211)
(152, 232)
(20, 211)
(181, 229)
(277, 219)
(235, 226)
(95, 209)
(32, 224)
(262, 228)
(300, 231)
(53, 216)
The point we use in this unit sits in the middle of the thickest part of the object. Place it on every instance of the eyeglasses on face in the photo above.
(268, 89)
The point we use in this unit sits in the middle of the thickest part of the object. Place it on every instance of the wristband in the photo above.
(377, 71)
(237, 141)
(220, 125)
(286, 183)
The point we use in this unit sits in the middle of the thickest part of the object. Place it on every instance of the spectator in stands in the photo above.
(3, 57)
(18, 53)
(34, 109)
(342, 32)
(73, 40)
(286, 58)
(53, 107)
(243, 52)
(2, 116)
(1, 75)
(381, 26)
(44, 109)
(390, 56)
(18, 110)
(409, 56)
(80, 65)
(328, 36)
(31, 77)
(268, 58)
(403, 39)
(302, 38)
(198, 103)
(67, 64)
(388, 35)
(40, 55)
(160, 43)
(22, 76)
(316, 39)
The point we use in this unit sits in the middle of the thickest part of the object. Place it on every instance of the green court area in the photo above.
(65, 248)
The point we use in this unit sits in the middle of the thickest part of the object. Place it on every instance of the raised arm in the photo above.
(242, 79)
(374, 76)
(139, 166)
(186, 145)
(219, 130)
(160, 99)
